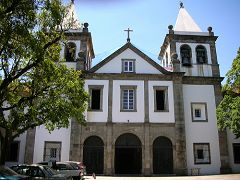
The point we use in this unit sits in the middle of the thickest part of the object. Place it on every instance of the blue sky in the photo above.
(149, 20)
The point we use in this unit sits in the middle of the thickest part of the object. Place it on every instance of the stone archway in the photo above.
(93, 155)
(162, 156)
(128, 154)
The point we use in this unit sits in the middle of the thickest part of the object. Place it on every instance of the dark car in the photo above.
(7, 173)
(37, 171)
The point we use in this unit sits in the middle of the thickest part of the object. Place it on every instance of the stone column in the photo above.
(146, 150)
(110, 94)
(75, 141)
(80, 64)
(146, 146)
(175, 62)
(180, 161)
(215, 65)
(29, 148)
(146, 101)
(108, 166)
(109, 156)
(223, 143)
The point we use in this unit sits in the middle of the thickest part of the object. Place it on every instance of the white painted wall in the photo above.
(21, 154)
(115, 65)
(231, 139)
(96, 116)
(124, 117)
(60, 135)
(201, 132)
(161, 117)
(196, 69)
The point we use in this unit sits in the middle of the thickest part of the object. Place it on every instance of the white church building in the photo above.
(146, 116)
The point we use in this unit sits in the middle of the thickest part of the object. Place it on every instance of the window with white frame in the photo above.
(199, 112)
(201, 153)
(96, 95)
(52, 151)
(160, 98)
(128, 65)
(128, 98)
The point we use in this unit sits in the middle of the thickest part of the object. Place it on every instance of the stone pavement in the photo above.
(210, 177)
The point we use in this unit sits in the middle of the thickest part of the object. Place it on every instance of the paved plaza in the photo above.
(211, 177)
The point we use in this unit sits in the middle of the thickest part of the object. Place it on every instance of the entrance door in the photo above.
(128, 154)
(162, 156)
(93, 155)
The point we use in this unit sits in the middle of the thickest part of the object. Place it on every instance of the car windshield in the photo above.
(74, 165)
(6, 171)
(64, 166)
(50, 171)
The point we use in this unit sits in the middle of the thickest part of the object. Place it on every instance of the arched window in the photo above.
(186, 55)
(201, 54)
(70, 51)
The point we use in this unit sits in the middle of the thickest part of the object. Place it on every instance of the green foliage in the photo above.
(35, 87)
(228, 111)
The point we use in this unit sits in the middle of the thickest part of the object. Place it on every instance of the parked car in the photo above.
(68, 169)
(78, 165)
(76, 169)
(7, 173)
(37, 171)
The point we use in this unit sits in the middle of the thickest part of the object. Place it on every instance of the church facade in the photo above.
(145, 116)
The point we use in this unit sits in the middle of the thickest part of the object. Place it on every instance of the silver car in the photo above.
(66, 168)
(37, 171)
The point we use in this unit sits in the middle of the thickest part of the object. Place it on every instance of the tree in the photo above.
(35, 87)
(228, 111)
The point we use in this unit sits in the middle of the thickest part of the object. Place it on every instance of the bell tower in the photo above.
(77, 51)
(186, 48)
(196, 49)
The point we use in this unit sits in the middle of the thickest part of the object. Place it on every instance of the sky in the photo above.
(149, 20)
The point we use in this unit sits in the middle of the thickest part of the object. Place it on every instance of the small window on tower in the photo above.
(199, 111)
(95, 97)
(160, 98)
(201, 152)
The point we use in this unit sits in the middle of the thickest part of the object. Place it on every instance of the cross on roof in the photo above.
(128, 31)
